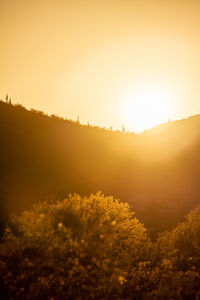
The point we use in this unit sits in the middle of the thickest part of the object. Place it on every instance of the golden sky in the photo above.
(102, 60)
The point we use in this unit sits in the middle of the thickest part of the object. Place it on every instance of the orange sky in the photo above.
(88, 58)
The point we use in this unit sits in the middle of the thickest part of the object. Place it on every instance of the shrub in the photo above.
(183, 243)
(94, 248)
(78, 248)
(178, 254)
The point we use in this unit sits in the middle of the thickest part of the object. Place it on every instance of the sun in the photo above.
(146, 106)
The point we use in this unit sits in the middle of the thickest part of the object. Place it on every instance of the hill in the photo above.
(45, 157)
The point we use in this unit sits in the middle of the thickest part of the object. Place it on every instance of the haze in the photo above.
(94, 59)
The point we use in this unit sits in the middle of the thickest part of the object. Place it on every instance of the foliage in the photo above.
(94, 248)
(74, 249)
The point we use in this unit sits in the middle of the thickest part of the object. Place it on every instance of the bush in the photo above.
(178, 254)
(183, 243)
(94, 248)
(79, 248)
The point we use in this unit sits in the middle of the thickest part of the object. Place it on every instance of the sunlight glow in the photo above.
(147, 106)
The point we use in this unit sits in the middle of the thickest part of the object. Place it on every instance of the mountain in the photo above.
(44, 157)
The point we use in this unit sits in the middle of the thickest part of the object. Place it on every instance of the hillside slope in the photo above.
(42, 156)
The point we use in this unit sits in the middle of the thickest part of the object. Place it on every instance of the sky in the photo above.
(110, 62)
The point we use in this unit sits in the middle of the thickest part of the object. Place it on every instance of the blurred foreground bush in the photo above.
(94, 248)
(78, 248)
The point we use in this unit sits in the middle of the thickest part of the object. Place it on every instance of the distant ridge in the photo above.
(45, 156)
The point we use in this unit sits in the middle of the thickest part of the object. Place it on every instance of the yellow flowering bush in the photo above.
(94, 248)
(78, 248)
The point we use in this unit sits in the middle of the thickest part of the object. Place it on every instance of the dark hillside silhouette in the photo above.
(46, 157)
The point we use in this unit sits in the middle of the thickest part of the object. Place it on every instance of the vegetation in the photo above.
(76, 248)
(95, 248)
